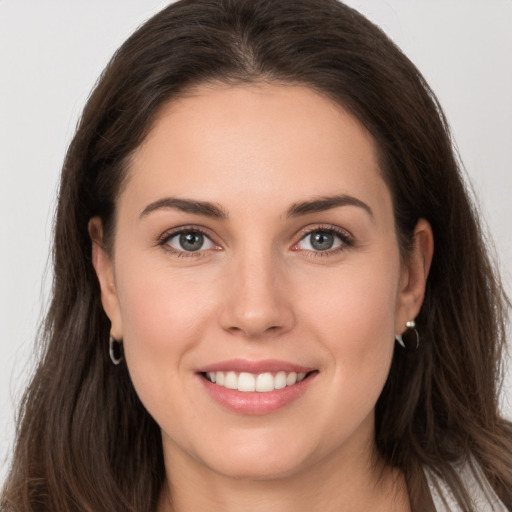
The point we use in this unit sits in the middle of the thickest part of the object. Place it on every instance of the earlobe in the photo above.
(103, 265)
(415, 274)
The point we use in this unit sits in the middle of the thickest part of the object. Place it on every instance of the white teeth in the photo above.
(246, 382)
(291, 379)
(231, 380)
(280, 380)
(262, 382)
(265, 382)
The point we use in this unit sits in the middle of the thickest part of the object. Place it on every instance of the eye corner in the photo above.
(174, 241)
(333, 238)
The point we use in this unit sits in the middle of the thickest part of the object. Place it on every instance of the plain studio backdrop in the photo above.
(52, 52)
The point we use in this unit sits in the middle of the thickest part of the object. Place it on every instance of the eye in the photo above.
(189, 241)
(323, 240)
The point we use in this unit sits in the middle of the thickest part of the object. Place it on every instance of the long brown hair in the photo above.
(84, 440)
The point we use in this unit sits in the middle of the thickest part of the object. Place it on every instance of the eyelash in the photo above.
(345, 238)
(168, 235)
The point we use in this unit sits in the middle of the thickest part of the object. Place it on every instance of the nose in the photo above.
(257, 302)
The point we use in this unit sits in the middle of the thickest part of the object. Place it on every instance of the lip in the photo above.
(246, 365)
(256, 403)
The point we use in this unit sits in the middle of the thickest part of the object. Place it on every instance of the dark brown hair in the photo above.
(84, 441)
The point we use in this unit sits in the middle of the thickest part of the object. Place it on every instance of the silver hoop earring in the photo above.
(412, 337)
(114, 349)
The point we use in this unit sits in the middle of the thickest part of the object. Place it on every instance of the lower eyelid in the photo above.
(166, 237)
(207, 241)
(345, 240)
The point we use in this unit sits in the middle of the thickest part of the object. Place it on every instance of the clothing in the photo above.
(482, 495)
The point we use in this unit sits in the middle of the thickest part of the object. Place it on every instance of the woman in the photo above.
(246, 224)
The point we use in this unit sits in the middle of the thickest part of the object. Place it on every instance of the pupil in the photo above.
(191, 241)
(322, 241)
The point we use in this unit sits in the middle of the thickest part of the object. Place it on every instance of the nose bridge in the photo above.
(257, 303)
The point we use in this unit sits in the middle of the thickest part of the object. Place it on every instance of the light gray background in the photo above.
(52, 51)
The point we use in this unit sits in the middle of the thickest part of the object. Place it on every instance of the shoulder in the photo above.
(482, 495)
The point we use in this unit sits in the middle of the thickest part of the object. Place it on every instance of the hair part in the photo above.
(84, 440)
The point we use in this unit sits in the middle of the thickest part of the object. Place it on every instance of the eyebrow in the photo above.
(216, 211)
(186, 205)
(326, 203)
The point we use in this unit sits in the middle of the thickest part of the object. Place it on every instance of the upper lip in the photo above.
(255, 367)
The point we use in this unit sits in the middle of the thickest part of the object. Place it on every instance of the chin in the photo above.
(259, 468)
(258, 460)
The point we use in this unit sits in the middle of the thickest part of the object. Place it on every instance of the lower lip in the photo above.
(256, 403)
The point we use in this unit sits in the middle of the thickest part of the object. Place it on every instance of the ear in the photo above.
(414, 275)
(104, 267)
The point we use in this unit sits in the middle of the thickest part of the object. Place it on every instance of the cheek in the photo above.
(353, 315)
(159, 305)
(164, 316)
(355, 305)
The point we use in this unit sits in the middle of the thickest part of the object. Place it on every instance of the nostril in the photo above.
(255, 319)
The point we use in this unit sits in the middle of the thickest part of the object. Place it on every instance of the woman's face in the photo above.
(255, 243)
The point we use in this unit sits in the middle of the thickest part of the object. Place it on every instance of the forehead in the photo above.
(260, 141)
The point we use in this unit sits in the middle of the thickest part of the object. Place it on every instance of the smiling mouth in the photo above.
(250, 382)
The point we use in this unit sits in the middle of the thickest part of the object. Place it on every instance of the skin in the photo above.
(259, 291)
